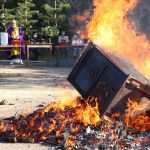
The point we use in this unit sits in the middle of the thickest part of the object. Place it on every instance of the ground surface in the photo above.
(24, 88)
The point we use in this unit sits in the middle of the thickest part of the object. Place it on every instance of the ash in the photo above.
(115, 137)
(107, 136)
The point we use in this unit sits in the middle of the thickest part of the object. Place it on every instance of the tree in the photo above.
(53, 13)
(49, 32)
(2, 2)
(26, 14)
(6, 14)
(43, 13)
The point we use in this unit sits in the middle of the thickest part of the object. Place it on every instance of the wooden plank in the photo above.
(11, 46)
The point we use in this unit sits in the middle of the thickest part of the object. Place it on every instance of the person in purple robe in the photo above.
(16, 37)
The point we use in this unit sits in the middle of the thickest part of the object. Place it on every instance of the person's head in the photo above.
(13, 23)
(63, 33)
(75, 36)
(78, 32)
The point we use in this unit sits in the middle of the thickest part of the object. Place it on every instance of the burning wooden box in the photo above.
(110, 78)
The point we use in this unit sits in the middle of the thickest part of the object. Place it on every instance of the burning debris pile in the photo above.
(76, 126)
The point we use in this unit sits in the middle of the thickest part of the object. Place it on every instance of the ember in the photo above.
(51, 120)
(76, 125)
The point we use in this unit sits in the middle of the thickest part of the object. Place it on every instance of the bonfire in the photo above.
(76, 123)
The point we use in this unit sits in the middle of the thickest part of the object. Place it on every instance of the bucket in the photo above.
(4, 38)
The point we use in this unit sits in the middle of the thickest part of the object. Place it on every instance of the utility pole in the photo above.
(55, 12)
(26, 12)
(26, 19)
(3, 8)
(3, 5)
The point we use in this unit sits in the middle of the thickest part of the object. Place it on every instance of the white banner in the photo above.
(4, 38)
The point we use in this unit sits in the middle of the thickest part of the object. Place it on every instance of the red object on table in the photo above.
(62, 43)
(16, 42)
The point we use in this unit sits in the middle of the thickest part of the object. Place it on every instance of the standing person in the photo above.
(15, 37)
(35, 50)
(62, 43)
(77, 44)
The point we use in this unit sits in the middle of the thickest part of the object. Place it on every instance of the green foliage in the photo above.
(25, 14)
(33, 15)
(55, 12)
(50, 31)
(8, 16)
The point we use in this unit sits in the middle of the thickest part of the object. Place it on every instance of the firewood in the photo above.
(12, 139)
(54, 137)
(28, 139)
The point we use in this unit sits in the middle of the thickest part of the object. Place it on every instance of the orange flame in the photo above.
(70, 141)
(54, 117)
(81, 18)
(111, 29)
(136, 120)
(2, 127)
